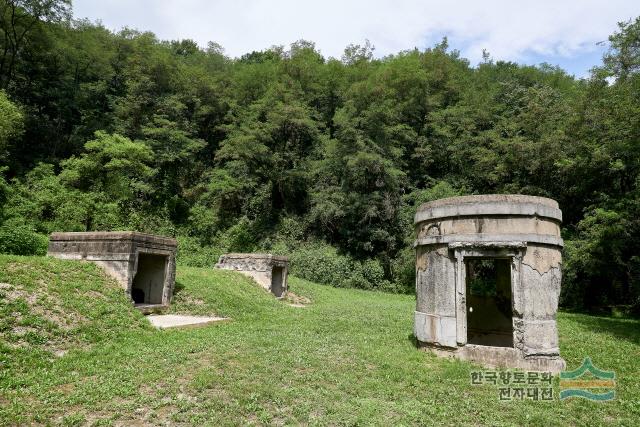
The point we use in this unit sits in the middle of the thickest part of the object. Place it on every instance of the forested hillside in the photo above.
(323, 159)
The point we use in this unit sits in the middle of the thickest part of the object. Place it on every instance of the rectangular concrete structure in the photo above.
(143, 264)
(270, 271)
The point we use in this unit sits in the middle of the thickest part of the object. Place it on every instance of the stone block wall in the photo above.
(269, 271)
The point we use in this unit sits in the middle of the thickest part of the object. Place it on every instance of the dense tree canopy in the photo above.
(287, 150)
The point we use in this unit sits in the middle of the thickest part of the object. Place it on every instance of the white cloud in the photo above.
(509, 30)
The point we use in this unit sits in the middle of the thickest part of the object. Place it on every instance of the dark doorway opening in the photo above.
(137, 295)
(489, 309)
(148, 283)
(277, 281)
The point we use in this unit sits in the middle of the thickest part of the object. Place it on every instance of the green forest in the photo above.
(321, 159)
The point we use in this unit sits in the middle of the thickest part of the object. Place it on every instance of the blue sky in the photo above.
(560, 32)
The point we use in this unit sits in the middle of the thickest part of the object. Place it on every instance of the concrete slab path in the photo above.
(165, 321)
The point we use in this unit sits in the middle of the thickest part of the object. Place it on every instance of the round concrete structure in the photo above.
(488, 273)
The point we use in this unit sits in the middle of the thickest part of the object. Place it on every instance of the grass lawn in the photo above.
(74, 352)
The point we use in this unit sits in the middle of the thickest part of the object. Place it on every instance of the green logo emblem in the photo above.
(593, 387)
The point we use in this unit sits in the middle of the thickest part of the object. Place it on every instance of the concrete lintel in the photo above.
(544, 239)
(487, 245)
(256, 256)
(125, 257)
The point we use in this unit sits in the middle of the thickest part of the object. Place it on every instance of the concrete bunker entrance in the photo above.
(148, 283)
(277, 281)
(489, 301)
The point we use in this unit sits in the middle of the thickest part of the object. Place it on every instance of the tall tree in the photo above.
(11, 123)
(18, 19)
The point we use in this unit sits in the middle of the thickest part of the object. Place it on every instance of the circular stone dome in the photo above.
(490, 204)
(489, 218)
(491, 198)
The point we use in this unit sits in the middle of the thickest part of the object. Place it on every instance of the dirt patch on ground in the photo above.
(13, 266)
(296, 300)
(94, 294)
(12, 293)
(188, 300)
(35, 316)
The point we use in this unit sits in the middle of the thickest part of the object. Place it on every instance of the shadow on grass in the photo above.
(627, 329)
(413, 340)
(178, 288)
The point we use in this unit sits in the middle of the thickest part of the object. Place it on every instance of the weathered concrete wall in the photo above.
(117, 253)
(263, 268)
(435, 320)
(522, 229)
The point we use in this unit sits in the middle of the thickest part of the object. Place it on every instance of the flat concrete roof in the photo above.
(112, 235)
(257, 256)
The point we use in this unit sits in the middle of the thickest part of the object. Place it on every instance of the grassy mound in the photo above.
(224, 293)
(48, 306)
(348, 358)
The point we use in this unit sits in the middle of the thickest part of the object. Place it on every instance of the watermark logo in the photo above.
(592, 387)
(516, 385)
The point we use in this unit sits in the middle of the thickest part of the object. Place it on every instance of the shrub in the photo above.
(403, 270)
(193, 254)
(21, 240)
(240, 237)
(321, 263)
(597, 263)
